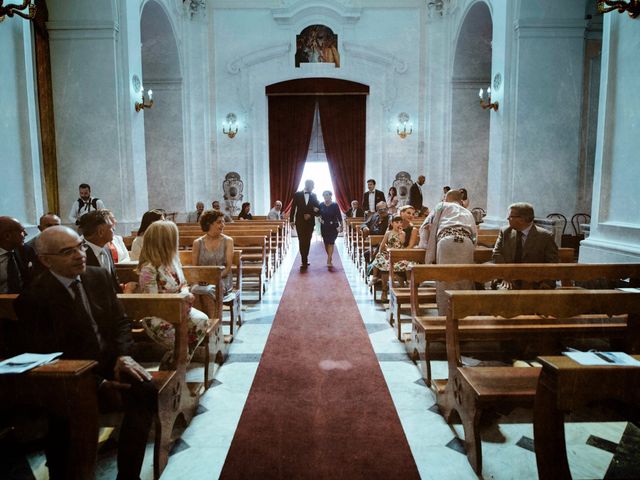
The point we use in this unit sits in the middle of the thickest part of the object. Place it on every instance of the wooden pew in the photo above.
(399, 291)
(429, 328)
(256, 266)
(176, 398)
(233, 300)
(483, 254)
(497, 314)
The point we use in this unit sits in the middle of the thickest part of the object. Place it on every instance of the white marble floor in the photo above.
(438, 452)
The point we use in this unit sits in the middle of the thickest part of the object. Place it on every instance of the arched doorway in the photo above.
(342, 108)
(164, 142)
(469, 123)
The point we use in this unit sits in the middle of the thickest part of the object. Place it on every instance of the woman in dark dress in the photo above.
(245, 212)
(330, 224)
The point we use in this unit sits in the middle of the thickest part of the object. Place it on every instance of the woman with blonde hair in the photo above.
(160, 271)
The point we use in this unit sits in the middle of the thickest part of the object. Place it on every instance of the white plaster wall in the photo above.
(615, 222)
(21, 185)
(252, 51)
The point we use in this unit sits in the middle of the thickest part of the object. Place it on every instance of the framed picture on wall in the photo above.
(317, 44)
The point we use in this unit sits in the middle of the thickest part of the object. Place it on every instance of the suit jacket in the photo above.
(365, 201)
(48, 321)
(93, 261)
(376, 224)
(539, 246)
(359, 213)
(299, 208)
(193, 217)
(415, 197)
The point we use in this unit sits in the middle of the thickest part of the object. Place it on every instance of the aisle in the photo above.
(319, 406)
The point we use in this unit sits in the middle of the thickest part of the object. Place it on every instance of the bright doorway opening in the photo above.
(318, 171)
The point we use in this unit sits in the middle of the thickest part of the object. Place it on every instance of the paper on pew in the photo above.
(26, 361)
(603, 358)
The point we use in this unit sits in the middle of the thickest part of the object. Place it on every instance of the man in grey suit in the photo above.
(524, 242)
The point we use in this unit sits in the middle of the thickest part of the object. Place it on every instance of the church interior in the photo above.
(160, 104)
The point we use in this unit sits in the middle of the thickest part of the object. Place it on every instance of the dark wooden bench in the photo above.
(428, 327)
(539, 314)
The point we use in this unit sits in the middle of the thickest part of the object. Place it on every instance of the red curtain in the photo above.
(343, 123)
(290, 125)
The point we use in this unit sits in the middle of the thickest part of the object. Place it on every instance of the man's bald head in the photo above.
(62, 251)
(12, 233)
(48, 220)
(453, 196)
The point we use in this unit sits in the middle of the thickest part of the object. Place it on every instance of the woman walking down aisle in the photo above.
(451, 233)
(330, 224)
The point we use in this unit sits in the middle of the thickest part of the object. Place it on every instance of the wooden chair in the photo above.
(577, 220)
(562, 218)
(497, 314)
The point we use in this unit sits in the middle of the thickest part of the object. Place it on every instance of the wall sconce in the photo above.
(632, 7)
(12, 9)
(486, 104)
(230, 126)
(404, 128)
(142, 105)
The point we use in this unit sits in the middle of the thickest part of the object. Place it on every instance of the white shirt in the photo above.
(372, 201)
(77, 211)
(100, 254)
(306, 197)
(455, 215)
(276, 214)
(136, 247)
(123, 253)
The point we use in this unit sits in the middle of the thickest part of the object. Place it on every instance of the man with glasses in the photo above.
(524, 242)
(72, 308)
(16, 258)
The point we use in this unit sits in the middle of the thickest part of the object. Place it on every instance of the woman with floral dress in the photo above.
(393, 238)
(160, 271)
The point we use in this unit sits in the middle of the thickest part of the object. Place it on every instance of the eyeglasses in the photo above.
(514, 216)
(67, 252)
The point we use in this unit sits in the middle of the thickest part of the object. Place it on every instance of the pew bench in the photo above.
(470, 390)
(428, 327)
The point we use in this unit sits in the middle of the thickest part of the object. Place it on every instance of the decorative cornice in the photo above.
(440, 8)
(551, 27)
(259, 56)
(294, 14)
(83, 30)
(374, 55)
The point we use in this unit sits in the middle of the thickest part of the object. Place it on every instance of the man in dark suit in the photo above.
(303, 213)
(73, 309)
(16, 258)
(97, 229)
(524, 242)
(355, 210)
(371, 197)
(415, 194)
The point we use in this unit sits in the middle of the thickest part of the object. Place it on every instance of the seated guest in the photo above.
(215, 205)
(214, 248)
(16, 258)
(393, 238)
(445, 190)
(355, 210)
(524, 242)
(276, 212)
(160, 271)
(97, 229)
(119, 251)
(392, 201)
(451, 240)
(147, 219)
(194, 217)
(407, 213)
(245, 212)
(376, 224)
(72, 308)
(47, 220)
(465, 198)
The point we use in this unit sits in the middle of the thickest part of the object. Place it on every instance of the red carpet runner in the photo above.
(319, 406)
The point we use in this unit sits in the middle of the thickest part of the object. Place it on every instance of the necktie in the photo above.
(114, 252)
(518, 256)
(14, 279)
(83, 309)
